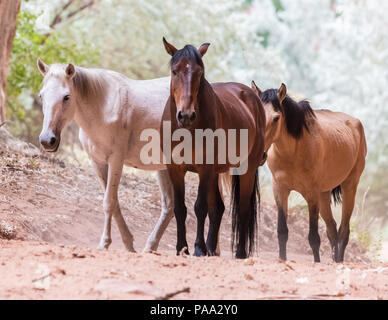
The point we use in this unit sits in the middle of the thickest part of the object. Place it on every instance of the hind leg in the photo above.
(331, 226)
(314, 239)
(167, 198)
(216, 210)
(281, 198)
(245, 216)
(349, 188)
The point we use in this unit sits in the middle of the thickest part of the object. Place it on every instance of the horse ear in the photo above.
(169, 47)
(255, 88)
(282, 92)
(203, 48)
(70, 71)
(43, 68)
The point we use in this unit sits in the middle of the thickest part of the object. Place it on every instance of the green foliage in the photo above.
(278, 5)
(24, 79)
(367, 239)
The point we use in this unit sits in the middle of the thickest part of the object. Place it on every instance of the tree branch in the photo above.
(58, 17)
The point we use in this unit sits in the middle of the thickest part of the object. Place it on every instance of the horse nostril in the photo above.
(52, 141)
(193, 116)
(180, 115)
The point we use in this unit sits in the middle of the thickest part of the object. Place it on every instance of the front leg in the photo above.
(102, 173)
(201, 210)
(281, 198)
(177, 177)
(111, 203)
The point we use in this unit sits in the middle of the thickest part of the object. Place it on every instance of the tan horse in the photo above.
(316, 153)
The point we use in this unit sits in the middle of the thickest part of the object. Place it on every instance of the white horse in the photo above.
(111, 111)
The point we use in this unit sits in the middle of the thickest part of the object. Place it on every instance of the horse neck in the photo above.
(93, 117)
(285, 145)
(208, 98)
(88, 114)
(91, 114)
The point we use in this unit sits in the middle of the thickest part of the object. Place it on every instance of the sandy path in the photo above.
(48, 271)
(52, 213)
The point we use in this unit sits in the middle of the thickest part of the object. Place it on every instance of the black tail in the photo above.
(336, 194)
(250, 236)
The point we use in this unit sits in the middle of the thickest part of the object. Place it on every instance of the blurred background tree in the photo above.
(9, 10)
(332, 52)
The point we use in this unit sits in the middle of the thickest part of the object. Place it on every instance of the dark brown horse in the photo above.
(195, 104)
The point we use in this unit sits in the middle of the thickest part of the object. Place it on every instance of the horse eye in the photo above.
(174, 72)
(65, 98)
(276, 119)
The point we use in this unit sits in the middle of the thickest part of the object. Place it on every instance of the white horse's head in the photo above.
(58, 102)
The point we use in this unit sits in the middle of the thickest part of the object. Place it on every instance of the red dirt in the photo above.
(51, 219)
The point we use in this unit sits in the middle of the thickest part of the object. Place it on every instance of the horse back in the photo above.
(342, 129)
(240, 107)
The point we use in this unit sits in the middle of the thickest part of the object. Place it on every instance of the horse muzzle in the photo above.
(186, 119)
(50, 142)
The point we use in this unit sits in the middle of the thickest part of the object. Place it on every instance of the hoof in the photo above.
(104, 244)
(241, 255)
(200, 252)
(183, 252)
(131, 249)
(150, 248)
(283, 257)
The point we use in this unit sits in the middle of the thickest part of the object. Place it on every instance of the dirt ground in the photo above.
(51, 220)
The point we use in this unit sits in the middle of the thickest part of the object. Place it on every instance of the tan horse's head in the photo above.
(273, 114)
(58, 104)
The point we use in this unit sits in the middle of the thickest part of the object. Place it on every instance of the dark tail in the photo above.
(250, 236)
(336, 194)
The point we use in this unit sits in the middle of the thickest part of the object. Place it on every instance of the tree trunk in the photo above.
(9, 10)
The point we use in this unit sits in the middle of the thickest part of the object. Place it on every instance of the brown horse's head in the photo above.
(187, 71)
(58, 105)
(273, 112)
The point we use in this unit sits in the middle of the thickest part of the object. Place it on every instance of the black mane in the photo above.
(296, 114)
(190, 52)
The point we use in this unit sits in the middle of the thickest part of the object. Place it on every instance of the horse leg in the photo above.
(218, 249)
(102, 173)
(216, 210)
(178, 181)
(349, 189)
(281, 198)
(111, 203)
(331, 226)
(314, 239)
(244, 223)
(167, 195)
(201, 210)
